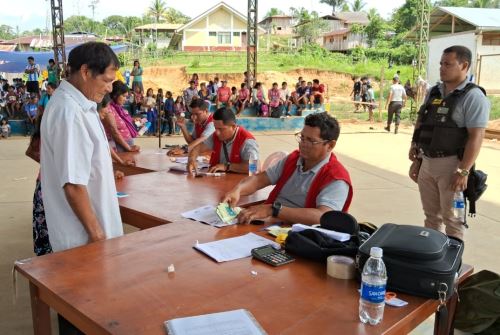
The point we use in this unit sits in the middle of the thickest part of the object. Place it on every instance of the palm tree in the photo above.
(334, 3)
(157, 9)
(358, 5)
(273, 12)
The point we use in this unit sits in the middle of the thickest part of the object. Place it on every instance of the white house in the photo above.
(476, 28)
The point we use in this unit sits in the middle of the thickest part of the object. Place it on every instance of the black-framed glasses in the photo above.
(301, 139)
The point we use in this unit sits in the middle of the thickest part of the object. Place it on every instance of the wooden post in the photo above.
(381, 94)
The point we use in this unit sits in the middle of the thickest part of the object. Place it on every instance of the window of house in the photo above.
(212, 33)
(236, 33)
(224, 37)
(491, 39)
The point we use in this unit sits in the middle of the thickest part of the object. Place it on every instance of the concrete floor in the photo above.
(376, 160)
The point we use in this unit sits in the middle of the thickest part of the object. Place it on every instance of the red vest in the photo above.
(330, 172)
(199, 129)
(234, 156)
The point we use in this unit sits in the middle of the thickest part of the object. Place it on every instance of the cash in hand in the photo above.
(226, 213)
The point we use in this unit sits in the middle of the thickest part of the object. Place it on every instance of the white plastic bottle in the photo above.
(373, 282)
(459, 206)
(253, 165)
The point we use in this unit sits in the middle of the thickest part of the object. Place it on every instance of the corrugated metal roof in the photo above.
(479, 17)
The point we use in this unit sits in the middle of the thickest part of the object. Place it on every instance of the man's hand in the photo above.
(192, 166)
(129, 162)
(458, 182)
(217, 168)
(119, 174)
(258, 212)
(98, 235)
(413, 153)
(232, 197)
(135, 148)
(181, 122)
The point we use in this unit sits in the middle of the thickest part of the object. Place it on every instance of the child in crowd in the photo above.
(371, 99)
(12, 104)
(196, 80)
(317, 93)
(159, 99)
(179, 110)
(274, 100)
(204, 93)
(31, 110)
(138, 99)
(168, 115)
(259, 100)
(5, 128)
(285, 98)
(149, 106)
(243, 98)
(234, 97)
(212, 88)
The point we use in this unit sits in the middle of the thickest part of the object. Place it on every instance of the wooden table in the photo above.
(121, 286)
(160, 197)
(148, 160)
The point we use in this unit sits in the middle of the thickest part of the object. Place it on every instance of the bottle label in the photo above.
(252, 167)
(373, 293)
(458, 204)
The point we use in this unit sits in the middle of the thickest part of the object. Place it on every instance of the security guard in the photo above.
(449, 131)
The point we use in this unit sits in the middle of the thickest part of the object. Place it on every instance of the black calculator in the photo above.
(271, 256)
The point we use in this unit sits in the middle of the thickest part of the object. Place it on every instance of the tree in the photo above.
(174, 16)
(6, 32)
(358, 5)
(273, 12)
(485, 3)
(375, 29)
(333, 3)
(345, 7)
(157, 9)
(82, 23)
(310, 26)
(405, 17)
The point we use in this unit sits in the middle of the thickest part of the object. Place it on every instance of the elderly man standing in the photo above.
(79, 192)
(449, 131)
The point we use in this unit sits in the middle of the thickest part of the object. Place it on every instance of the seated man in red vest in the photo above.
(308, 182)
(203, 124)
(231, 145)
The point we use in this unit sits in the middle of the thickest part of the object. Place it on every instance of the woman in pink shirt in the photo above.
(122, 134)
(243, 98)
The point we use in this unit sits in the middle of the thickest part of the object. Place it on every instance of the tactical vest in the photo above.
(439, 135)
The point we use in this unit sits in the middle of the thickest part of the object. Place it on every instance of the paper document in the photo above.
(342, 237)
(237, 322)
(234, 248)
(275, 230)
(207, 214)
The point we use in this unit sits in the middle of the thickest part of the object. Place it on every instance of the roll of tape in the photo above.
(340, 267)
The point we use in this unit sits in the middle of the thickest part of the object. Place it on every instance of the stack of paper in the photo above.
(207, 214)
(226, 213)
(234, 248)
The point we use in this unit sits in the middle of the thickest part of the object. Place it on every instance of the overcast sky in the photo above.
(31, 14)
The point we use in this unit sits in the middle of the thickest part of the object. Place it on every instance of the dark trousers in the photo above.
(394, 110)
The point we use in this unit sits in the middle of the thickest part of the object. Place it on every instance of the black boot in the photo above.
(388, 128)
(396, 129)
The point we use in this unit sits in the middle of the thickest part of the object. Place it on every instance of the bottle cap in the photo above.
(376, 252)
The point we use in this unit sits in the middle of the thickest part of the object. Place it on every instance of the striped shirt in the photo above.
(33, 76)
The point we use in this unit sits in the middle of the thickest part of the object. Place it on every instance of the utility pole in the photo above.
(93, 5)
(58, 35)
(252, 41)
(420, 64)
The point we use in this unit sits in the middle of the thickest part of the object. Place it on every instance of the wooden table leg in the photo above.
(40, 312)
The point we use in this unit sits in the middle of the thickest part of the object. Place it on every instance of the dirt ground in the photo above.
(175, 79)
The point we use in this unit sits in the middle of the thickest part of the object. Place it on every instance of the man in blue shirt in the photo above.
(31, 109)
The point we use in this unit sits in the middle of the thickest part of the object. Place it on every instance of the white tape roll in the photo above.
(340, 267)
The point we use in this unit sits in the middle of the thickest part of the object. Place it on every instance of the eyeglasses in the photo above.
(302, 139)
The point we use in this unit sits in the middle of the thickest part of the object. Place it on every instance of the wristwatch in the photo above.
(462, 172)
(228, 166)
(276, 207)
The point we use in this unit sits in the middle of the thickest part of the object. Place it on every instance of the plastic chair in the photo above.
(273, 158)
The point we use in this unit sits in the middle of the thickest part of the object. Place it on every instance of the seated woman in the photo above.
(118, 123)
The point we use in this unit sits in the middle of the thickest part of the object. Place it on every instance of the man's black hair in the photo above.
(52, 85)
(328, 125)
(199, 103)
(31, 58)
(119, 88)
(225, 115)
(284, 83)
(51, 61)
(316, 81)
(96, 55)
(462, 53)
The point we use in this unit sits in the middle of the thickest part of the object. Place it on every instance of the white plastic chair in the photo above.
(273, 158)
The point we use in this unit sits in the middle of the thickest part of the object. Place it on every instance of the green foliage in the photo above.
(6, 32)
(174, 16)
(274, 11)
(157, 9)
(310, 26)
(195, 63)
(375, 29)
(405, 17)
(358, 54)
(357, 5)
(333, 3)
(83, 23)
